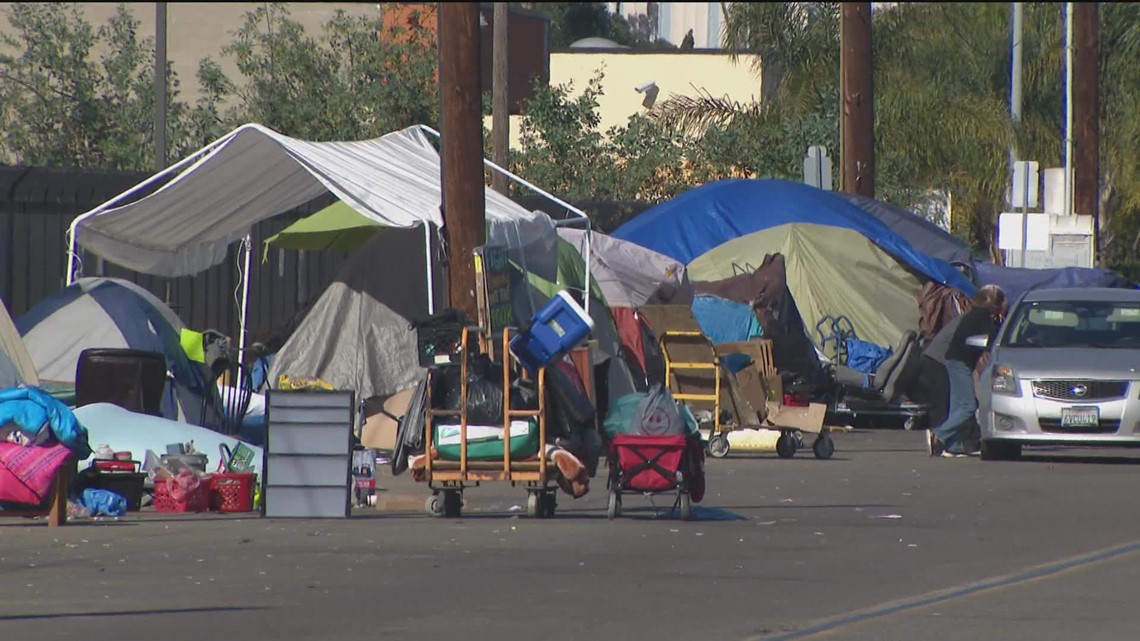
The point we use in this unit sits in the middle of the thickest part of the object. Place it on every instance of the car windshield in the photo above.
(1075, 324)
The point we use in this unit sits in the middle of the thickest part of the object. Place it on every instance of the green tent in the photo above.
(337, 227)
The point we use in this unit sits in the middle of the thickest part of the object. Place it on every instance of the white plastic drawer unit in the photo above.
(308, 454)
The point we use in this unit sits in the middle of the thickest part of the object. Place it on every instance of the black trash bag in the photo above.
(524, 394)
(484, 391)
(569, 410)
(484, 396)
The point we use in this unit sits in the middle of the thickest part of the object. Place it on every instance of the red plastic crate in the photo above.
(196, 500)
(232, 492)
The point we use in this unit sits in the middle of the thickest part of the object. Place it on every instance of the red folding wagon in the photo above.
(652, 465)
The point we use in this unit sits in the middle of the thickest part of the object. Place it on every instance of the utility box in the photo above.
(1052, 241)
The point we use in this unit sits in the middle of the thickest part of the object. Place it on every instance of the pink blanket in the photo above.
(26, 473)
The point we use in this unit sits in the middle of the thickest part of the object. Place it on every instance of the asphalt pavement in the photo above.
(881, 542)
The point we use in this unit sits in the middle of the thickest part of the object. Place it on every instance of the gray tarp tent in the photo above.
(357, 335)
(16, 367)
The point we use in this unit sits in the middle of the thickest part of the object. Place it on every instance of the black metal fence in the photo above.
(37, 205)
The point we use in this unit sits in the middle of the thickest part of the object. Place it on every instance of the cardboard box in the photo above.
(379, 430)
(807, 419)
(754, 392)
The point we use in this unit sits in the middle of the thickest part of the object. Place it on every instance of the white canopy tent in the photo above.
(213, 198)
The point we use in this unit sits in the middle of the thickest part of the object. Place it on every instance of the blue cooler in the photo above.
(556, 329)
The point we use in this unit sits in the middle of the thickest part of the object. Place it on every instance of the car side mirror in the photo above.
(980, 341)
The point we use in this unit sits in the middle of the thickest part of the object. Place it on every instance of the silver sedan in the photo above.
(1063, 370)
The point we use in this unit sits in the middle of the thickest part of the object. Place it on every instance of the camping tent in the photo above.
(183, 219)
(358, 336)
(114, 313)
(923, 235)
(629, 274)
(16, 367)
(840, 259)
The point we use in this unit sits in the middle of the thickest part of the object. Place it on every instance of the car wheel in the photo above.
(994, 450)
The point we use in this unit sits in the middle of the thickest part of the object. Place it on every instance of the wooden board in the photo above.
(758, 349)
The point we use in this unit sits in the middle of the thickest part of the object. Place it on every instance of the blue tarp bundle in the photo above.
(725, 321)
(733, 208)
(866, 357)
(1015, 281)
(33, 410)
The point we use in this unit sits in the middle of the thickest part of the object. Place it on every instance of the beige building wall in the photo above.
(195, 30)
(672, 72)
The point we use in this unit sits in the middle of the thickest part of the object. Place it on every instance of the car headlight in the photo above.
(1005, 381)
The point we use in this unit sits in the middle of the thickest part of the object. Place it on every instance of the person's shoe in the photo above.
(933, 445)
(949, 454)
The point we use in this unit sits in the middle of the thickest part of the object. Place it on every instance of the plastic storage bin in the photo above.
(232, 492)
(169, 496)
(556, 329)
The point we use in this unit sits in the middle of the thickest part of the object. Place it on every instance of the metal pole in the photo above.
(464, 197)
(500, 96)
(1015, 64)
(1025, 218)
(430, 269)
(1068, 109)
(159, 86)
(247, 247)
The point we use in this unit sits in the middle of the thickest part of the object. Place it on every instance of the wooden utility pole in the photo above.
(857, 100)
(462, 163)
(500, 97)
(1086, 113)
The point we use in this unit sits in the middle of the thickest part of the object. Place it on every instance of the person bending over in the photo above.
(960, 360)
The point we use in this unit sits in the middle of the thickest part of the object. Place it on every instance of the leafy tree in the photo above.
(359, 79)
(572, 21)
(563, 149)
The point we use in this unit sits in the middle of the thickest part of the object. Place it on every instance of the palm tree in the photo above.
(796, 45)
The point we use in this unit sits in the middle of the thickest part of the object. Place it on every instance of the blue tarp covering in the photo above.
(33, 409)
(706, 217)
(725, 321)
(1015, 281)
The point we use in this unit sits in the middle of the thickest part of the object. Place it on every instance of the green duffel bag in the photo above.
(485, 443)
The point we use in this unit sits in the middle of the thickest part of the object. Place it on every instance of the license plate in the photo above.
(1080, 417)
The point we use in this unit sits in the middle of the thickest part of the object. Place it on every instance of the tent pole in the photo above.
(524, 183)
(589, 289)
(430, 276)
(247, 248)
